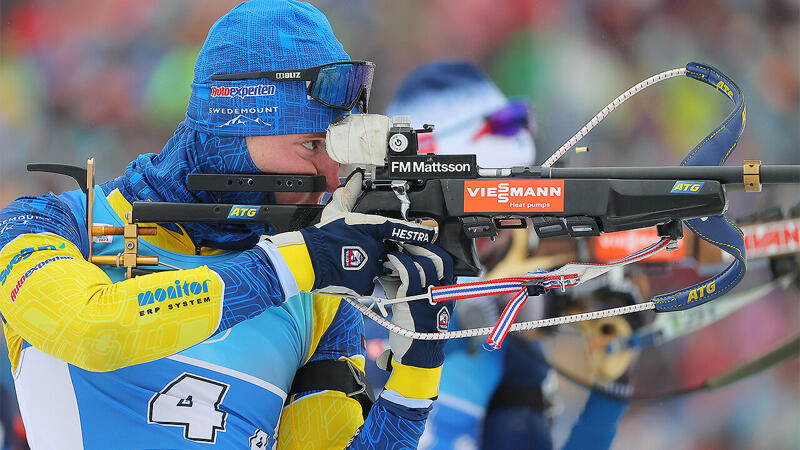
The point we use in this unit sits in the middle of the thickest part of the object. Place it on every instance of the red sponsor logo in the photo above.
(29, 272)
(513, 195)
(769, 239)
(260, 90)
(15, 291)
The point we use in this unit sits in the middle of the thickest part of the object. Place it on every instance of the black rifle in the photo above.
(468, 202)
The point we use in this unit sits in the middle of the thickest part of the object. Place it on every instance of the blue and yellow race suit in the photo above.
(180, 358)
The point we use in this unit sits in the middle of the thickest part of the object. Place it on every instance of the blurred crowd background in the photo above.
(110, 79)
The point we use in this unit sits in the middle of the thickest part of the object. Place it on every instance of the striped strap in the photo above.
(571, 274)
(500, 330)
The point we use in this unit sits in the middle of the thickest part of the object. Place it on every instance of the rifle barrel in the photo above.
(769, 174)
(780, 174)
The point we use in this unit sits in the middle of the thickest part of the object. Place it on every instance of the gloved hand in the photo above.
(412, 272)
(345, 249)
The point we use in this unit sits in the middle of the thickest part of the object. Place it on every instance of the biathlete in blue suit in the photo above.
(209, 350)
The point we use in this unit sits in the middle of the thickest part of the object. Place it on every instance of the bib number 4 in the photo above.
(191, 402)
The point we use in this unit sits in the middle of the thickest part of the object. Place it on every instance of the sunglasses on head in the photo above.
(507, 121)
(339, 85)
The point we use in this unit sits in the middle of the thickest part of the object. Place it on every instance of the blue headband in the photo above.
(256, 108)
(262, 35)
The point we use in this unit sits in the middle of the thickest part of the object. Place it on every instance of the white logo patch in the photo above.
(241, 119)
(443, 320)
(353, 258)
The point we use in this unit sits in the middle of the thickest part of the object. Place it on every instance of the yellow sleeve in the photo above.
(414, 382)
(293, 248)
(327, 419)
(67, 307)
(323, 420)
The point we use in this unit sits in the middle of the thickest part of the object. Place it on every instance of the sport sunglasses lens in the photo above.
(340, 85)
(365, 74)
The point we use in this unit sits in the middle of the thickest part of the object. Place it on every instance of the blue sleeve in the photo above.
(391, 426)
(388, 425)
(344, 337)
(251, 286)
(597, 424)
(44, 214)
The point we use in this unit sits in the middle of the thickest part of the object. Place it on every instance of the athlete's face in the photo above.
(302, 154)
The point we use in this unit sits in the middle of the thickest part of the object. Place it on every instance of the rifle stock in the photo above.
(577, 208)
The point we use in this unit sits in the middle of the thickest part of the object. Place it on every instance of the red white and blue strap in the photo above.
(477, 289)
(500, 330)
(571, 274)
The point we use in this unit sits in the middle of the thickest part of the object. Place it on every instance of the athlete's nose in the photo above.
(330, 168)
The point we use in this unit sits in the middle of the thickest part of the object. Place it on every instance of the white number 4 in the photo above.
(192, 402)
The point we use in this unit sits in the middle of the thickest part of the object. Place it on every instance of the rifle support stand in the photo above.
(130, 232)
(129, 258)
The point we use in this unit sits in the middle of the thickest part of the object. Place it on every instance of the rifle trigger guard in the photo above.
(400, 189)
